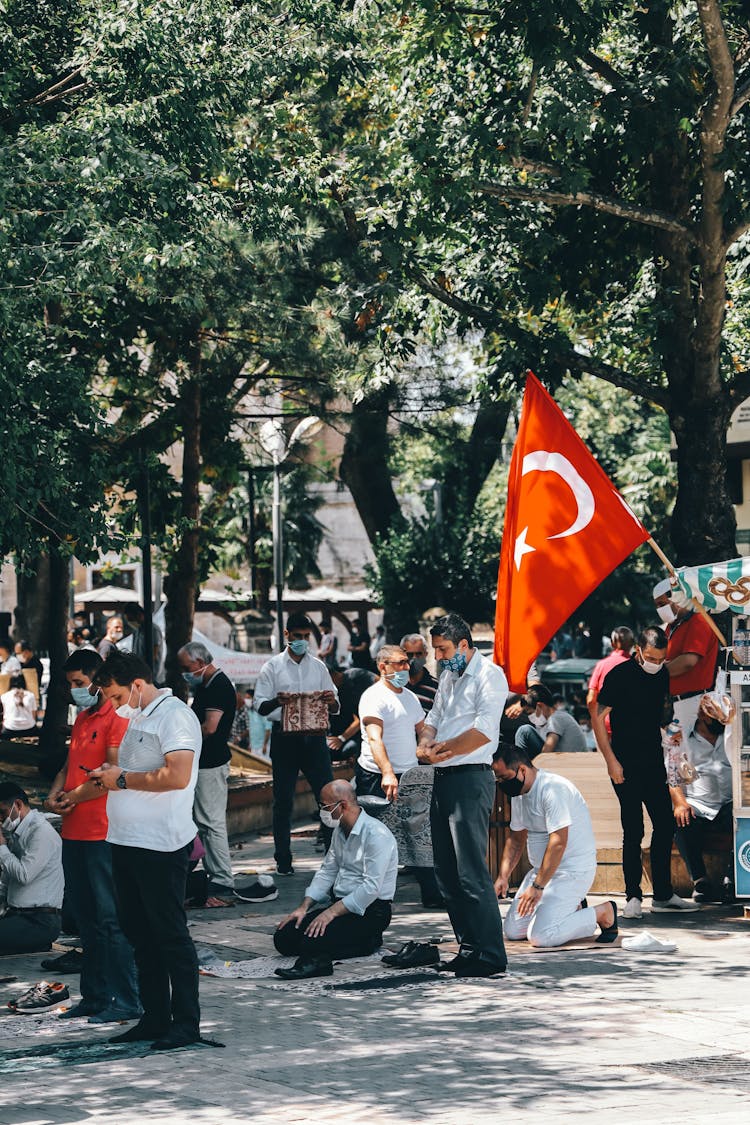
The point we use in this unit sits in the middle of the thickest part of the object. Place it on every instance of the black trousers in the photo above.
(290, 755)
(28, 931)
(462, 799)
(646, 787)
(350, 935)
(690, 840)
(150, 896)
(370, 785)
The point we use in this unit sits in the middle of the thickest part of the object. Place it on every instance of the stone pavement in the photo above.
(655, 1038)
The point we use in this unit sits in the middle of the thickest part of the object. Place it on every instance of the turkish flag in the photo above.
(566, 528)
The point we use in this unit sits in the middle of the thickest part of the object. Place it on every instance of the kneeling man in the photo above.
(552, 818)
(359, 875)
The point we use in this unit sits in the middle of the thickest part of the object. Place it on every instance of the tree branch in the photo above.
(649, 217)
(741, 98)
(572, 359)
(737, 233)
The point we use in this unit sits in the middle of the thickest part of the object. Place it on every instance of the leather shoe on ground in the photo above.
(412, 955)
(176, 1037)
(140, 1033)
(477, 967)
(452, 965)
(70, 962)
(303, 970)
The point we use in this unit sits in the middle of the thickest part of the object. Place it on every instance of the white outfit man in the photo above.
(551, 818)
(391, 718)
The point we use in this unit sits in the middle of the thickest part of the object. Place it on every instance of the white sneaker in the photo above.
(632, 908)
(673, 904)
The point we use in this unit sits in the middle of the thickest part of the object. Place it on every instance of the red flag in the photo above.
(566, 528)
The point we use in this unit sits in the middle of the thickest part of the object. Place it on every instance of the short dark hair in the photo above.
(453, 628)
(652, 636)
(25, 646)
(6, 644)
(86, 660)
(122, 668)
(538, 694)
(10, 792)
(622, 638)
(512, 755)
(298, 621)
(17, 681)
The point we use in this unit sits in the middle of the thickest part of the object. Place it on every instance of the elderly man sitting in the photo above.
(359, 875)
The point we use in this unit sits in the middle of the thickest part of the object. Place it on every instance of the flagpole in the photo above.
(701, 608)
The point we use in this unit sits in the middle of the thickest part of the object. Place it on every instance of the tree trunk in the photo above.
(364, 465)
(181, 582)
(32, 611)
(52, 739)
(463, 482)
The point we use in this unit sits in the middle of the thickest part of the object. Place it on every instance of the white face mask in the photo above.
(538, 720)
(10, 824)
(128, 712)
(650, 667)
(326, 818)
(667, 613)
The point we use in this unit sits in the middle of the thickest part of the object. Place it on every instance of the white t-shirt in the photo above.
(161, 822)
(553, 803)
(399, 712)
(18, 714)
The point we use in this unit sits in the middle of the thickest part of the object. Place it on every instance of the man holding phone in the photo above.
(109, 989)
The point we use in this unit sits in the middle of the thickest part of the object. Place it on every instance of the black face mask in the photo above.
(715, 727)
(513, 786)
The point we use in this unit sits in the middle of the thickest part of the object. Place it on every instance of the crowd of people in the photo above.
(144, 787)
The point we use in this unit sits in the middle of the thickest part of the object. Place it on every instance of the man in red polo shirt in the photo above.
(109, 989)
(692, 652)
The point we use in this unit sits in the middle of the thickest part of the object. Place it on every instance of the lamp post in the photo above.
(275, 443)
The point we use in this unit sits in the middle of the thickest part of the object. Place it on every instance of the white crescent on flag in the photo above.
(543, 461)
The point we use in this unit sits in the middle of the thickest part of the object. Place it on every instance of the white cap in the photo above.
(663, 587)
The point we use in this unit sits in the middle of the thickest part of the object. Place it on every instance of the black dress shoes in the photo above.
(302, 970)
(451, 966)
(174, 1038)
(478, 967)
(412, 955)
(140, 1033)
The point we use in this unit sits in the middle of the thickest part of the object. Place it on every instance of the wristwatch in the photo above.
(535, 885)
(121, 783)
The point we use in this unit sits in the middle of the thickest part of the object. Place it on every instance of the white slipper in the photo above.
(647, 943)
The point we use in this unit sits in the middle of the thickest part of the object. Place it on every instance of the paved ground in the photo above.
(654, 1038)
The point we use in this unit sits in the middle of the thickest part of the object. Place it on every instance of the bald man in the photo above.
(358, 875)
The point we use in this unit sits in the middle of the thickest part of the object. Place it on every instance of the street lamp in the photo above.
(275, 443)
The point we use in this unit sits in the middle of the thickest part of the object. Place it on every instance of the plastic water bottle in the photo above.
(672, 745)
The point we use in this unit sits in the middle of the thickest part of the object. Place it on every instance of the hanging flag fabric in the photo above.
(719, 586)
(566, 528)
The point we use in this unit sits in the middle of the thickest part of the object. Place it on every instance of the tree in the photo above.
(571, 178)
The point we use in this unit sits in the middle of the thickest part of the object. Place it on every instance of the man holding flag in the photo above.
(692, 652)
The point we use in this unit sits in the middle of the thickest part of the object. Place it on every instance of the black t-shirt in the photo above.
(637, 701)
(217, 695)
(361, 659)
(356, 681)
(425, 690)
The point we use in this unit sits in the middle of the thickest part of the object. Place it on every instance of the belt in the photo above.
(691, 694)
(35, 909)
(459, 769)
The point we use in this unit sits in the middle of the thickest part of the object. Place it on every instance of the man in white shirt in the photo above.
(9, 664)
(359, 875)
(459, 737)
(31, 875)
(551, 818)
(294, 672)
(703, 796)
(151, 829)
(391, 718)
